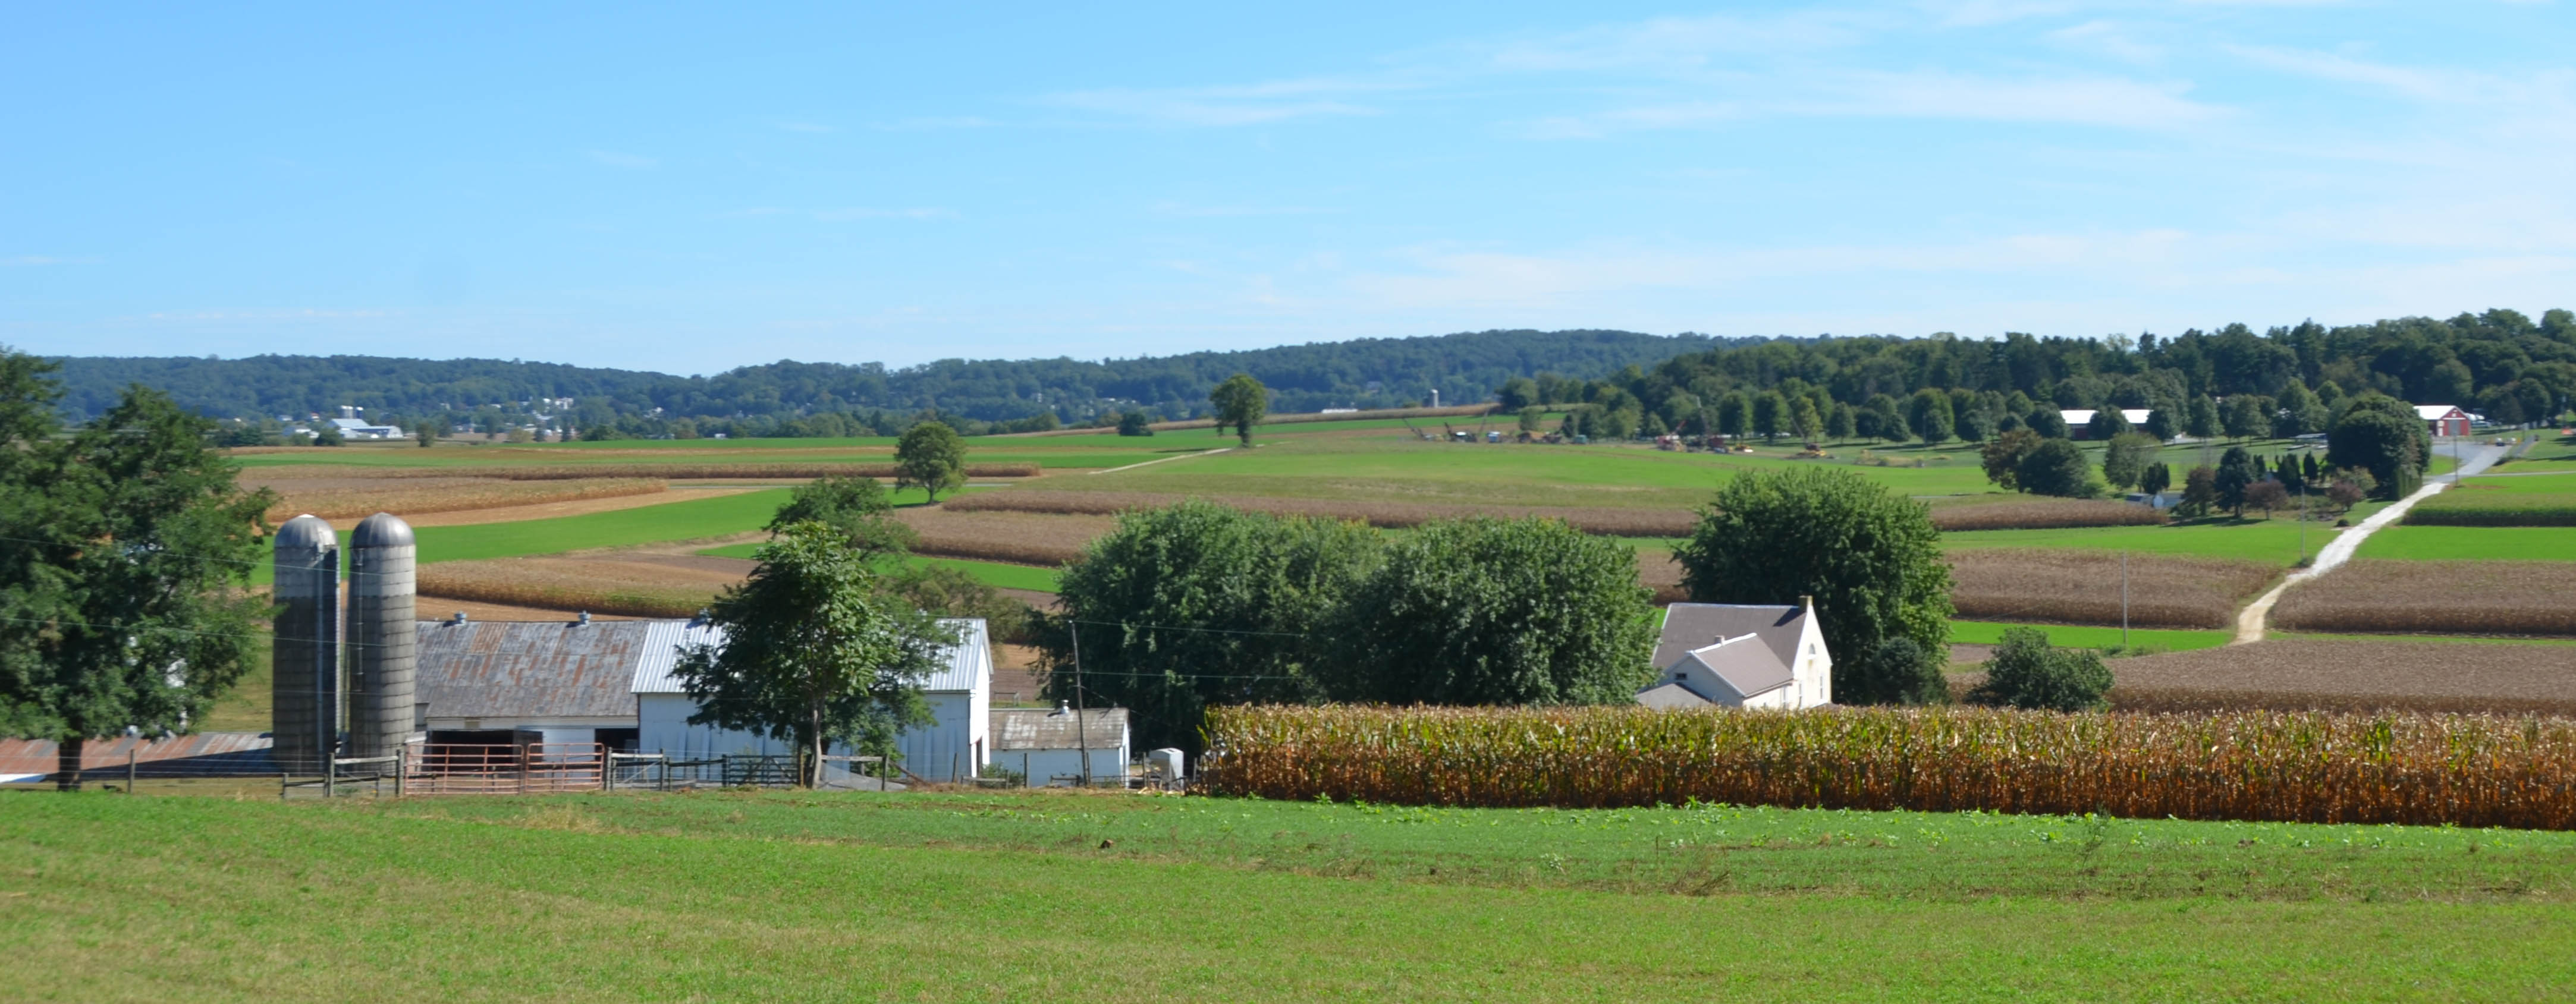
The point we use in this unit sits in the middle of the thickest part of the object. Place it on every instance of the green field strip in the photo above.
(2081, 636)
(804, 895)
(999, 575)
(2472, 543)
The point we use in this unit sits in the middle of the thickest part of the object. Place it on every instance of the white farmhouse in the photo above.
(954, 748)
(1741, 656)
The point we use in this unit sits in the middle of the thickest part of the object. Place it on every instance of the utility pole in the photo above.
(2124, 599)
(1081, 729)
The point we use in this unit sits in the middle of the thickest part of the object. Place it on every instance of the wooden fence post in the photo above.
(402, 767)
(129, 766)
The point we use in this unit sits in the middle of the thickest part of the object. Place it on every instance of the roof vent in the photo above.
(460, 618)
(1061, 708)
(585, 618)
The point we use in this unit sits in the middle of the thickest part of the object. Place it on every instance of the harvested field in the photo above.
(1602, 520)
(2389, 596)
(669, 471)
(2293, 674)
(640, 585)
(2465, 770)
(2044, 514)
(1026, 538)
(342, 496)
(2083, 587)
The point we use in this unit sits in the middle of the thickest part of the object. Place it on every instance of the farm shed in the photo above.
(1740, 656)
(959, 694)
(2444, 419)
(1044, 745)
(2078, 418)
(481, 682)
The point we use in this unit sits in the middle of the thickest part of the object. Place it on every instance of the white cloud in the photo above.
(1250, 104)
(2108, 38)
(628, 161)
(1672, 45)
(866, 213)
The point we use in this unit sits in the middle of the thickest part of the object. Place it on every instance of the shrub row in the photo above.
(2467, 770)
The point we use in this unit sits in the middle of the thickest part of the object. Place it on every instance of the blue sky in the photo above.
(690, 189)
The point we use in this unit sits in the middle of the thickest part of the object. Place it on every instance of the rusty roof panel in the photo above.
(1041, 729)
(530, 669)
(202, 754)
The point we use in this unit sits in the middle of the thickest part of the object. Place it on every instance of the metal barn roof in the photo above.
(969, 663)
(529, 669)
(1041, 729)
(205, 754)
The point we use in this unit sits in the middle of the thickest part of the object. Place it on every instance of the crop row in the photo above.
(2468, 770)
(1613, 521)
(2475, 506)
(341, 498)
(560, 584)
(2435, 597)
(675, 471)
(2086, 587)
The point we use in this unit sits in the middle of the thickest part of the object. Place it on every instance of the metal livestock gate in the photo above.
(525, 769)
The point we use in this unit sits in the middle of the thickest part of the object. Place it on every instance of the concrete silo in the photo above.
(305, 662)
(381, 635)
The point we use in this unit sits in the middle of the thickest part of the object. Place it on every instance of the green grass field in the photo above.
(791, 896)
(2073, 636)
(2472, 543)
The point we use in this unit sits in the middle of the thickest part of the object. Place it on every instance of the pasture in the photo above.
(1974, 632)
(795, 896)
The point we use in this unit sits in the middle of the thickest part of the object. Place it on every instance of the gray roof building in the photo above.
(1740, 656)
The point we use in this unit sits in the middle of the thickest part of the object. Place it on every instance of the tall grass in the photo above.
(2468, 770)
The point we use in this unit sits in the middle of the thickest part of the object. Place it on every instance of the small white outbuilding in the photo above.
(1061, 745)
(1741, 656)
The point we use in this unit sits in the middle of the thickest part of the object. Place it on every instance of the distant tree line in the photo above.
(2232, 381)
(796, 398)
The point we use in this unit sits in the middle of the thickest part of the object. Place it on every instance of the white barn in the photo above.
(1741, 656)
(960, 694)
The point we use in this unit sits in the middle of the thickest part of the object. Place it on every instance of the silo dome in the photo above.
(383, 529)
(306, 533)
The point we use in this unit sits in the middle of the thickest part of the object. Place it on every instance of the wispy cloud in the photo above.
(626, 161)
(866, 213)
(1250, 104)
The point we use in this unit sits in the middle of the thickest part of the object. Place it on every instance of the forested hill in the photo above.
(1382, 372)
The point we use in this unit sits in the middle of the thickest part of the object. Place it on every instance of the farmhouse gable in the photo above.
(1742, 656)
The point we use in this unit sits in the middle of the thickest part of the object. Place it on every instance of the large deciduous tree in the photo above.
(2125, 459)
(125, 553)
(2056, 467)
(1240, 402)
(857, 507)
(930, 456)
(1489, 611)
(1870, 557)
(2378, 434)
(1196, 604)
(814, 653)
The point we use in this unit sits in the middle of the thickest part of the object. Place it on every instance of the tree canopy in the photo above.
(125, 557)
(1241, 402)
(2375, 433)
(857, 507)
(1491, 611)
(930, 457)
(2025, 672)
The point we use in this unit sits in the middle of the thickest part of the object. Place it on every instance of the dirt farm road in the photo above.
(2250, 621)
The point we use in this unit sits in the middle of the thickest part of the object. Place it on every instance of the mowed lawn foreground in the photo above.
(790, 896)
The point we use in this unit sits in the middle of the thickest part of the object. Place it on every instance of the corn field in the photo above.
(690, 470)
(2467, 770)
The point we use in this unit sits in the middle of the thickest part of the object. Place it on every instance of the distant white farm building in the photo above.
(2078, 420)
(2445, 419)
(1740, 656)
(353, 427)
